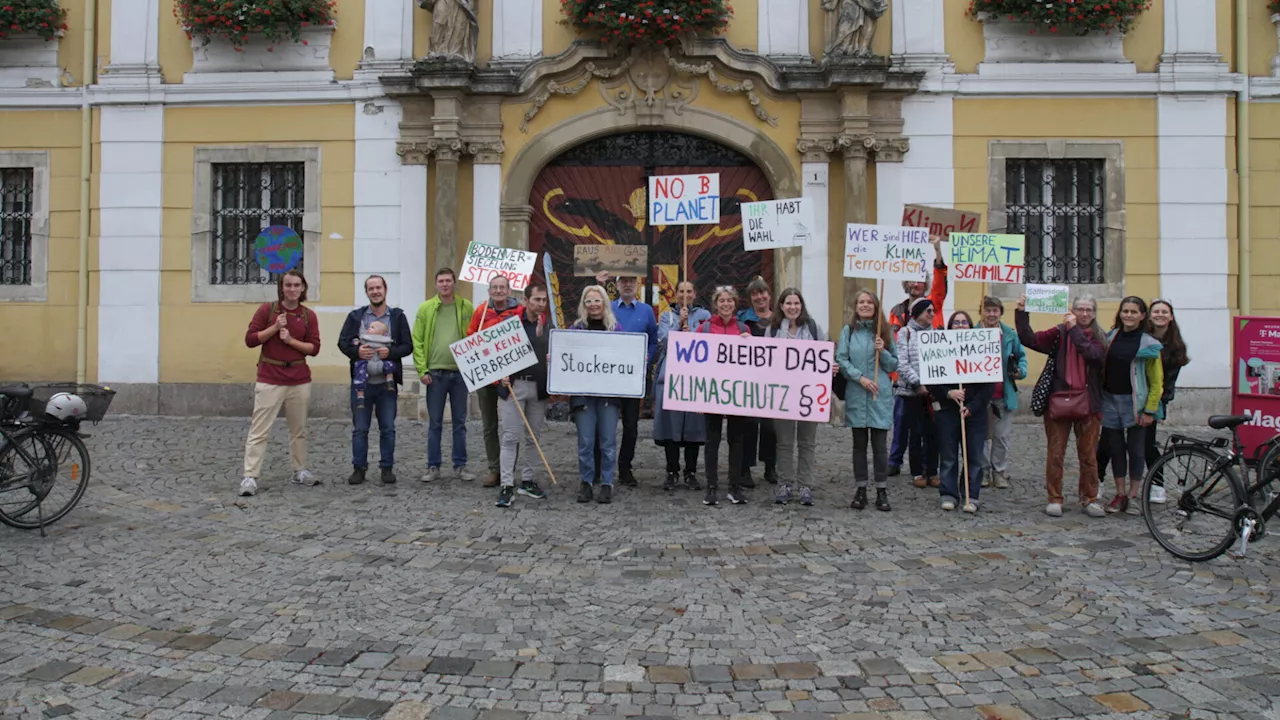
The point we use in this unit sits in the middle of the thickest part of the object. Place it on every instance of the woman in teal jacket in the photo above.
(869, 394)
(1132, 384)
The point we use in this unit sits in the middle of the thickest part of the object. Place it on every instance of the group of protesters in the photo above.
(1111, 388)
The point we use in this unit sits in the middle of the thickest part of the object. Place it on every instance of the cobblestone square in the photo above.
(163, 595)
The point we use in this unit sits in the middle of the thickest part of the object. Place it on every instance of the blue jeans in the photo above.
(446, 384)
(949, 458)
(379, 399)
(597, 421)
(901, 433)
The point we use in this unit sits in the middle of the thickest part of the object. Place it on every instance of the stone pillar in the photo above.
(444, 208)
(517, 31)
(388, 38)
(135, 41)
(1191, 39)
(815, 161)
(486, 198)
(783, 33)
(855, 150)
(515, 225)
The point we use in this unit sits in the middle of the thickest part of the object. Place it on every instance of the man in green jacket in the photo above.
(1000, 423)
(442, 321)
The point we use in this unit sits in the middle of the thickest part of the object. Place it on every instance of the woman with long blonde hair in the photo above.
(596, 417)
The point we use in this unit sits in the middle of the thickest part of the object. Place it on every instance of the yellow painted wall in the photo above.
(47, 346)
(71, 46)
(104, 34)
(204, 342)
(1264, 213)
(556, 36)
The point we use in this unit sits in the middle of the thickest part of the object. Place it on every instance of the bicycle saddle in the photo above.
(1217, 422)
(16, 392)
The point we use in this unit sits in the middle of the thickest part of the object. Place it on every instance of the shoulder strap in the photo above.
(813, 328)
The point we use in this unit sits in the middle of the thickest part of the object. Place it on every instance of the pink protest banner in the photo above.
(749, 376)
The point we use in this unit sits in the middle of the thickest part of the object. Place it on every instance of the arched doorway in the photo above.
(595, 193)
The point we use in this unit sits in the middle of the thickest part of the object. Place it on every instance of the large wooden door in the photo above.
(595, 193)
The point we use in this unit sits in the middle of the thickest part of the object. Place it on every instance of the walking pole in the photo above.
(532, 436)
(964, 452)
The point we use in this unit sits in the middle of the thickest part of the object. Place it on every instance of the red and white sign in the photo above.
(484, 261)
(684, 199)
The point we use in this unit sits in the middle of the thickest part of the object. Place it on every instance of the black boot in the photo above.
(626, 477)
(356, 477)
(584, 495)
(771, 473)
(691, 481)
(746, 481)
(605, 496)
(673, 478)
(859, 499)
(882, 500)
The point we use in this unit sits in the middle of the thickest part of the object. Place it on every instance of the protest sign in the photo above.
(940, 222)
(887, 252)
(777, 223)
(983, 257)
(277, 249)
(951, 357)
(590, 362)
(1052, 299)
(751, 376)
(493, 353)
(617, 260)
(684, 199)
(485, 261)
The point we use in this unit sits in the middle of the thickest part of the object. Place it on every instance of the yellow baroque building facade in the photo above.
(138, 166)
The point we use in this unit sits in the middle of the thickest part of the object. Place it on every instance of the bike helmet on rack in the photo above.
(65, 406)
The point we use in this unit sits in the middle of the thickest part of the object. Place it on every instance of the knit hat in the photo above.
(919, 306)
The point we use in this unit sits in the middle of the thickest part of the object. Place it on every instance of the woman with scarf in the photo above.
(675, 430)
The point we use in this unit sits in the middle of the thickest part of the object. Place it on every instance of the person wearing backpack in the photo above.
(791, 321)
(287, 333)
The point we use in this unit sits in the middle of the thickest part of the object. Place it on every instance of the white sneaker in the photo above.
(1001, 481)
(248, 487)
(971, 507)
(948, 504)
(1094, 510)
(305, 477)
(433, 474)
(464, 474)
(1053, 509)
(1157, 495)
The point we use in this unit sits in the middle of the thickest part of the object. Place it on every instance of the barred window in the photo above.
(248, 197)
(1060, 206)
(17, 190)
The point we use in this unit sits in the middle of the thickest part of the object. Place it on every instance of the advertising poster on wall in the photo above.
(1256, 391)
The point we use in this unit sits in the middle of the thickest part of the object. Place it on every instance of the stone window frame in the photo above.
(202, 290)
(1111, 152)
(37, 161)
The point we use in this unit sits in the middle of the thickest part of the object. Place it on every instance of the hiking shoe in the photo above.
(530, 488)
(948, 504)
(784, 495)
(1002, 481)
(356, 477)
(1133, 506)
(248, 487)
(859, 499)
(606, 495)
(388, 476)
(710, 497)
(895, 470)
(505, 496)
(464, 474)
(806, 496)
(628, 478)
(584, 493)
(737, 497)
(986, 479)
(492, 480)
(970, 507)
(1053, 510)
(1094, 510)
(307, 478)
(771, 474)
(935, 481)
(1157, 496)
(882, 500)
(691, 481)
(433, 474)
(920, 481)
(1117, 504)
(673, 479)
(747, 481)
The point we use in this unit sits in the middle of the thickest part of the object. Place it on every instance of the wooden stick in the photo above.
(686, 252)
(532, 436)
(964, 450)
(879, 315)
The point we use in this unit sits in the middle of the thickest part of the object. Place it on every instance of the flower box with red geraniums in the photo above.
(646, 23)
(1066, 17)
(236, 21)
(42, 18)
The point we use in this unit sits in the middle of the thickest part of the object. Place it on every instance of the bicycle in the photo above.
(40, 439)
(1218, 490)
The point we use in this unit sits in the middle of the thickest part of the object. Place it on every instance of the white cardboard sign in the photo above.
(493, 353)
(684, 199)
(951, 357)
(592, 362)
(485, 261)
(777, 224)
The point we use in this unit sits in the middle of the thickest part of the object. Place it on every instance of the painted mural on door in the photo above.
(595, 193)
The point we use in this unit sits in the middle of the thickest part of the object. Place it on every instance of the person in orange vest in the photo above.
(497, 309)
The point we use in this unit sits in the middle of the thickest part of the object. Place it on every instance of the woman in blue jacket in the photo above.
(958, 405)
(868, 397)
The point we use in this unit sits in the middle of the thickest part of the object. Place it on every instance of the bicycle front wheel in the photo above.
(1197, 521)
(51, 493)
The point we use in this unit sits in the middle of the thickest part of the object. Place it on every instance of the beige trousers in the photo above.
(267, 400)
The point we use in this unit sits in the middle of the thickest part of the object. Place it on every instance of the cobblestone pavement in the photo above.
(163, 595)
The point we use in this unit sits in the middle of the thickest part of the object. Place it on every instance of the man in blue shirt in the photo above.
(638, 317)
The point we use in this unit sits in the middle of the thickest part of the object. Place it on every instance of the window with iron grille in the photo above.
(248, 197)
(1060, 206)
(17, 190)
